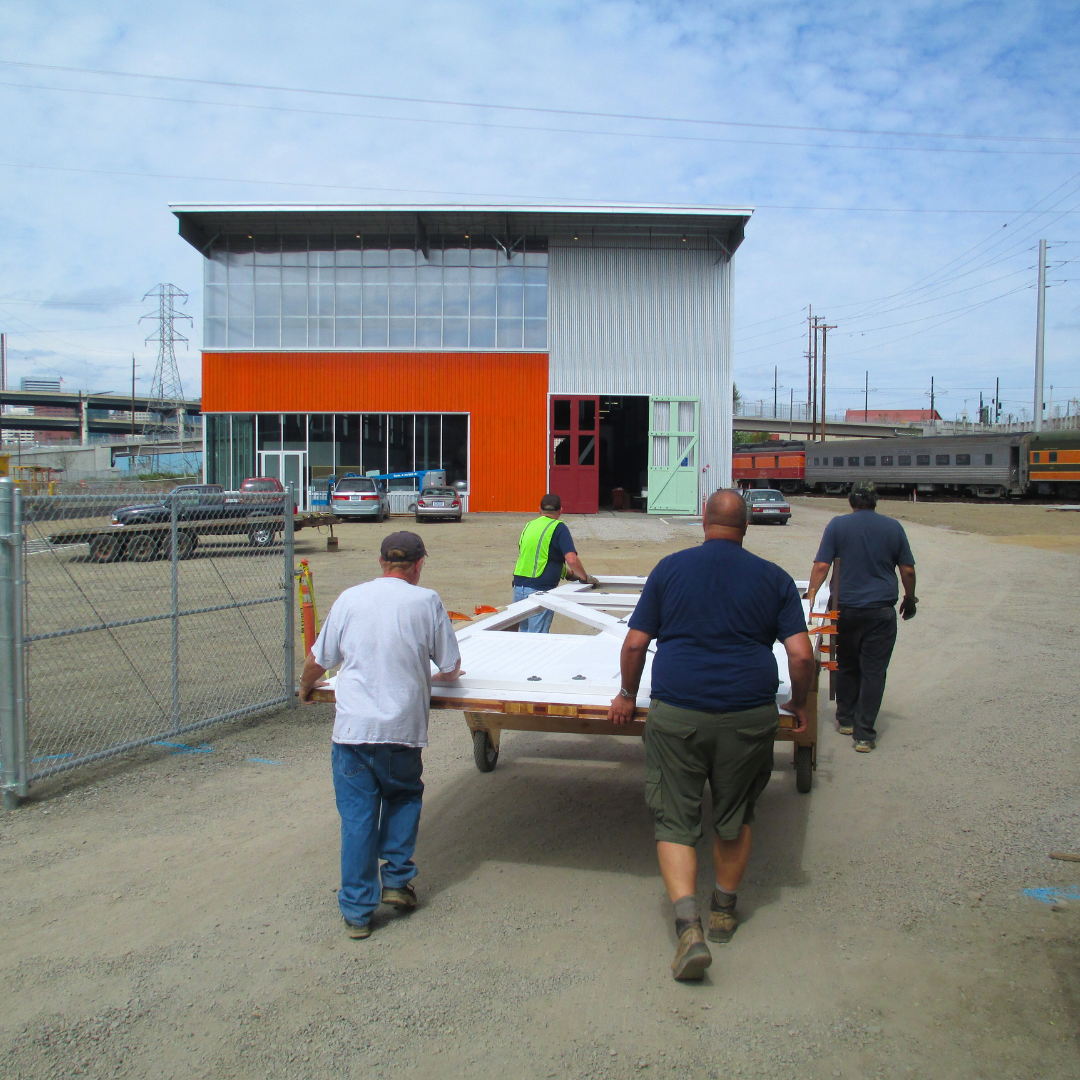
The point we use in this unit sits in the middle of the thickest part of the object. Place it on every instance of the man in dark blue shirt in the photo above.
(867, 550)
(715, 612)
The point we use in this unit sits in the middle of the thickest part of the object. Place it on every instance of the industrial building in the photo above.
(585, 351)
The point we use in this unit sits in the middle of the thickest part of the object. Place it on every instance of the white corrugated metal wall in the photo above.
(651, 321)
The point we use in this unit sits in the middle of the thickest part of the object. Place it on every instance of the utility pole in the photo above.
(814, 351)
(1040, 331)
(774, 387)
(824, 353)
(997, 400)
(809, 356)
(791, 412)
(932, 399)
(132, 397)
(866, 400)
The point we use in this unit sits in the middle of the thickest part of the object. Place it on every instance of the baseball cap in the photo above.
(551, 501)
(403, 547)
(860, 487)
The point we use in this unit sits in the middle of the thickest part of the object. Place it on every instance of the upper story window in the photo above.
(838, 461)
(368, 292)
(922, 459)
(963, 459)
(886, 459)
(904, 459)
(870, 459)
(941, 459)
(853, 461)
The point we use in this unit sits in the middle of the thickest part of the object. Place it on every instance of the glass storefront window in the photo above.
(372, 292)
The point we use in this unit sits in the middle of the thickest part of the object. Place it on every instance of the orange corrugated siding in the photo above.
(505, 394)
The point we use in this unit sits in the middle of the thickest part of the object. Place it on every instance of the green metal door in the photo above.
(673, 472)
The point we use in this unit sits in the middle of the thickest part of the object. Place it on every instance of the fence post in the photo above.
(10, 673)
(289, 687)
(23, 788)
(174, 557)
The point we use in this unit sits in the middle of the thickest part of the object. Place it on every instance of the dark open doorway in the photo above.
(624, 452)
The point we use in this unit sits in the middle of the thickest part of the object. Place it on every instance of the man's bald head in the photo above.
(726, 509)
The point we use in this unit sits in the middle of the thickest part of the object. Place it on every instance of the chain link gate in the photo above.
(122, 625)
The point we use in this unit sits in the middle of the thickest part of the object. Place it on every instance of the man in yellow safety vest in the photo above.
(544, 547)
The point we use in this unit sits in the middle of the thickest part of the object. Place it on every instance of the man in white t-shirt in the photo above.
(382, 636)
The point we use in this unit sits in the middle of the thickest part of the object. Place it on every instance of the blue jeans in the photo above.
(379, 792)
(534, 624)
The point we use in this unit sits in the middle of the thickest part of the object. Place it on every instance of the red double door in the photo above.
(574, 462)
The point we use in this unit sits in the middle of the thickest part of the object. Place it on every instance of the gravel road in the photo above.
(173, 914)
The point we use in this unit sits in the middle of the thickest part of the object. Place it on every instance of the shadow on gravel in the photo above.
(577, 803)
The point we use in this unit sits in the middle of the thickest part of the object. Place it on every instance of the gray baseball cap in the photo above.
(403, 547)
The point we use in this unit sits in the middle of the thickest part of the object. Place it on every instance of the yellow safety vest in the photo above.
(533, 547)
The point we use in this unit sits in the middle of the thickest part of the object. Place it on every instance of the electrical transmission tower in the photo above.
(166, 398)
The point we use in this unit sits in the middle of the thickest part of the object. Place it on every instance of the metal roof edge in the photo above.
(457, 208)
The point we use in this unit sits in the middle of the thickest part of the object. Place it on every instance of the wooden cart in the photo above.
(565, 682)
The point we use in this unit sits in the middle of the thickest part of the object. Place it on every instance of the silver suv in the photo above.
(359, 497)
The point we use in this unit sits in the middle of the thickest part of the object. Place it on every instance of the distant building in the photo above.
(891, 416)
(47, 386)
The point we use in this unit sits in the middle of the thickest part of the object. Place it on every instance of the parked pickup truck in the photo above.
(142, 532)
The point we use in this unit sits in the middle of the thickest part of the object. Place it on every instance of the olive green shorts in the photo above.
(684, 748)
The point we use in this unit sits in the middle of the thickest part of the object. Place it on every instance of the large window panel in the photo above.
(349, 334)
(267, 333)
(268, 431)
(400, 442)
(243, 449)
(373, 442)
(347, 431)
(455, 447)
(402, 333)
(241, 334)
(428, 441)
(375, 333)
(481, 333)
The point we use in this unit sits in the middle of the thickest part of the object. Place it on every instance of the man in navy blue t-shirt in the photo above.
(868, 549)
(715, 612)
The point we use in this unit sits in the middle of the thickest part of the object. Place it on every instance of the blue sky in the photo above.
(924, 259)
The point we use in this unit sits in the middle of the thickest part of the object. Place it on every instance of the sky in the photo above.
(903, 160)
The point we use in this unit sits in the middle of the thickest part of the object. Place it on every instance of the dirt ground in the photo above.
(173, 914)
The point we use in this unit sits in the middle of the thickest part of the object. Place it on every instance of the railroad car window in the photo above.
(963, 459)
(886, 459)
(1035, 457)
(905, 459)
(817, 461)
(922, 459)
(870, 460)
(838, 461)
(853, 461)
(988, 459)
(942, 459)
(1053, 455)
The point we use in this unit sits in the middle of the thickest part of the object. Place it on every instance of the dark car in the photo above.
(438, 503)
(766, 505)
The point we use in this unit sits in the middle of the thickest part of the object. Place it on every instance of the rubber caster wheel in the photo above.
(484, 753)
(804, 769)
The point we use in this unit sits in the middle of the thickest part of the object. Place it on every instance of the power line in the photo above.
(538, 109)
(442, 122)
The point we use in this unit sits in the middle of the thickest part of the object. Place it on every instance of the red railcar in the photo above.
(780, 465)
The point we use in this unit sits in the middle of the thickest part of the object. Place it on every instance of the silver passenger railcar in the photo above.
(989, 466)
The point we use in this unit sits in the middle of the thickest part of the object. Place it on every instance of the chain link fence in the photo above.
(128, 623)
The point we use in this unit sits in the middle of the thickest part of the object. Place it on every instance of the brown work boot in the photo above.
(692, 956)
(358, 931)
(723, 921)
(403, 898)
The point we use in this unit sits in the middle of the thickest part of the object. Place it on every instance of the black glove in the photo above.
(907, 607)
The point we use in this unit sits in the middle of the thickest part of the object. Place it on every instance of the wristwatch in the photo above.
(624, 693)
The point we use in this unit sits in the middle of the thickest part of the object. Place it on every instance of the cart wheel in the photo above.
(106, 548)
(484, 754)
(804, 769)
